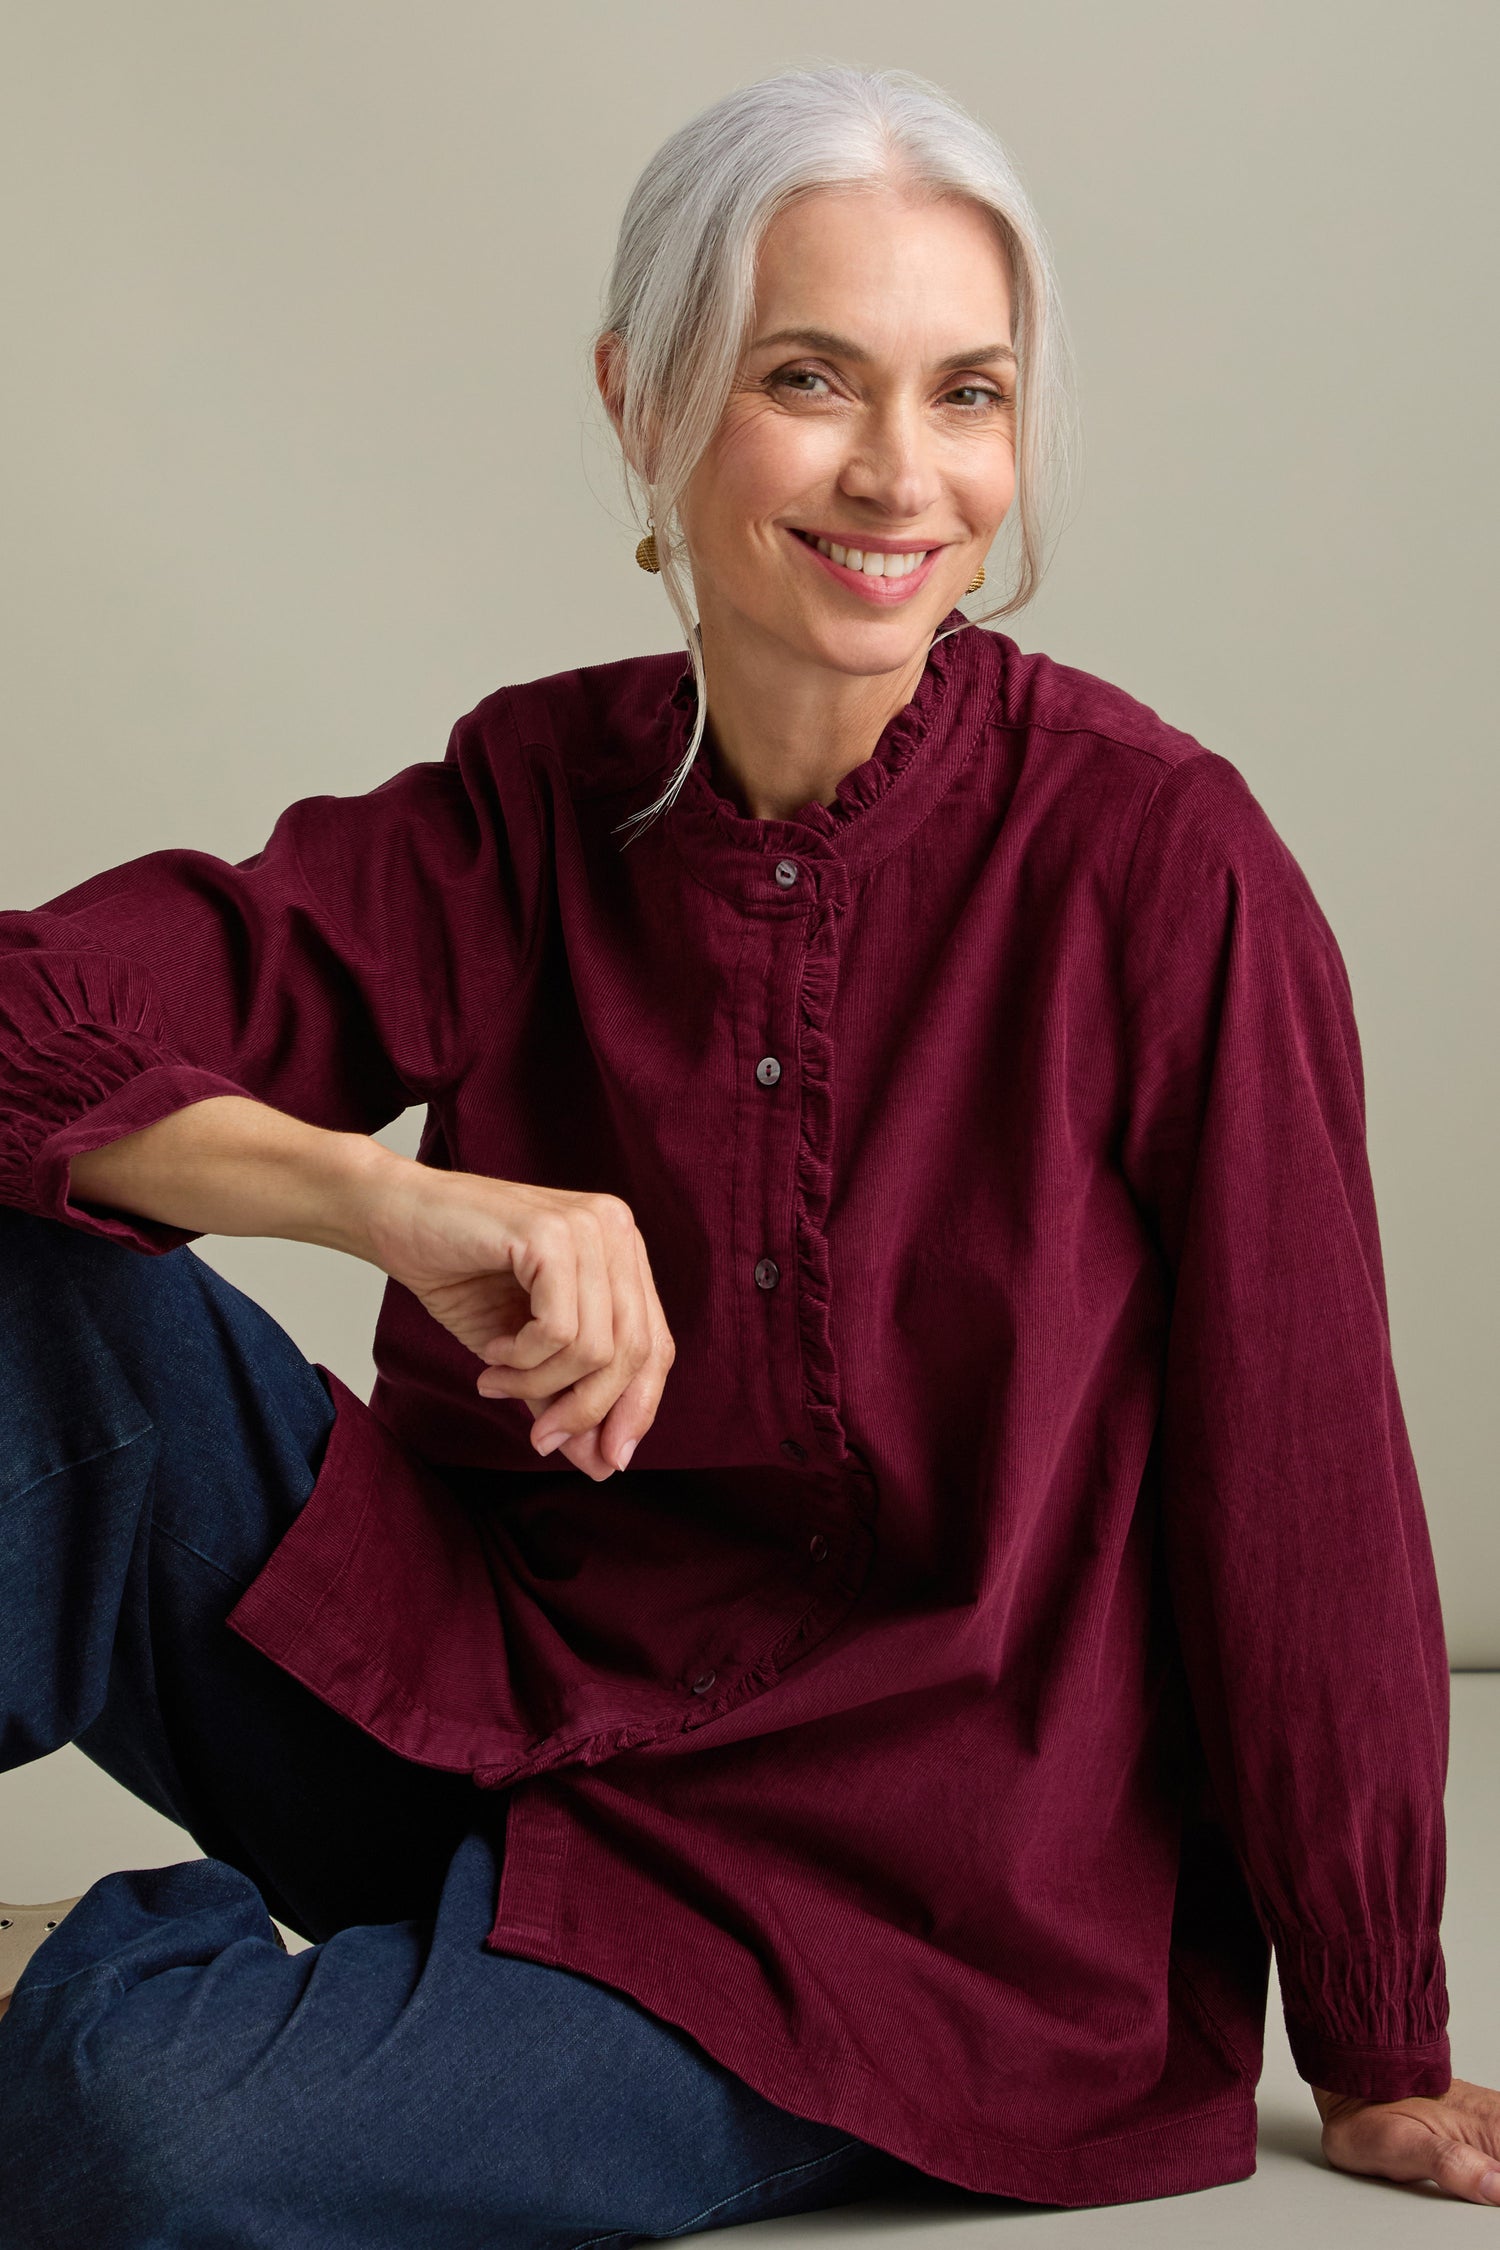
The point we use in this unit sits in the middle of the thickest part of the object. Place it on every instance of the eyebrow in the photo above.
(844, 347)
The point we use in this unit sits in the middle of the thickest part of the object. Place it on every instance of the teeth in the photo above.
(872, 565)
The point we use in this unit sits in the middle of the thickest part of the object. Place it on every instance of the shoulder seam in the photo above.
(1116, 741)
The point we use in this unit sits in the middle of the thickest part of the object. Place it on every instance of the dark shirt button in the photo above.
(795, 1451)
(702, 1685)
(768, 1070)
(767, 1273)
(787, 872)
(817, 1546)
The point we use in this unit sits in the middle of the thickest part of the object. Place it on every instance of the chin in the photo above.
(863, 645)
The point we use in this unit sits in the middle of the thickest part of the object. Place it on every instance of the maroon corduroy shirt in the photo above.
(1021, 1612)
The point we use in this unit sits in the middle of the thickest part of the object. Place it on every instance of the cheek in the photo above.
(762, 468)
(995, 484)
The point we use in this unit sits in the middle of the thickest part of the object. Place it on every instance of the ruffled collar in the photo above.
(702, 810)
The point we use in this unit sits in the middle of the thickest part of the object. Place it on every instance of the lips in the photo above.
(879, 592)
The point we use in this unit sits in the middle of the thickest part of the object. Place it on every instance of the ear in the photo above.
(608, 363)
(609, 370)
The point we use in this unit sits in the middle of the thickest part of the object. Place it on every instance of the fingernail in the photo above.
(1490, 2185)
(625, 1452)
(552, 1441)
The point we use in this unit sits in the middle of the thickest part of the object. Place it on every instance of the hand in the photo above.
(1453, 2140)
(550, 1287)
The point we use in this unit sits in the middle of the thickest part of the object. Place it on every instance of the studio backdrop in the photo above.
(301, 459)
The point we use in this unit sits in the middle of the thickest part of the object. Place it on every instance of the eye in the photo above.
(973, 399)
(792, 378)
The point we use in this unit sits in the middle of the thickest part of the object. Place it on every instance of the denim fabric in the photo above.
(169, 2076)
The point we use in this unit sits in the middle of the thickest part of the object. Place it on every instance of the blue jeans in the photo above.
(168, 2076)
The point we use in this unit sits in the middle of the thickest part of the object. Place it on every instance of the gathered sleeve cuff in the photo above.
(1367, 2017)
(86, 1058)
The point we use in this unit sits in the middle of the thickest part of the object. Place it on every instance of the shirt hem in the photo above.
(1175, 2155)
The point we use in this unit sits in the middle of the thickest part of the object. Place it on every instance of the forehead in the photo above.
(890, 261)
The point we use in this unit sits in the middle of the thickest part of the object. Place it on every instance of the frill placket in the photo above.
(915, 758)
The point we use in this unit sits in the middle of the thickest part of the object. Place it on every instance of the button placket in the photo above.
(771, 1130)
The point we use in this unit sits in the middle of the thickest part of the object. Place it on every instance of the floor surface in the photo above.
(63, 1824)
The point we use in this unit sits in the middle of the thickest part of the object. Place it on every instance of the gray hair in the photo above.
(681, 291)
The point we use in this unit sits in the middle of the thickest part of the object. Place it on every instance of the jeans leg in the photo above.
(167, 2075)
(158, 1434)
(174, 2080)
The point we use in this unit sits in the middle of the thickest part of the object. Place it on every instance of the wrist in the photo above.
(363, 1175)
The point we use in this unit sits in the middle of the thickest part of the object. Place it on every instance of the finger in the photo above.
(588, 1300)
(585, 1405)
(546, 1266)
(598, 1311)
(1391, 2145)
(580, 1450)
(629, 1419)
(587, 1402)
(592, 1396)
(634, 1410)
(653, 1376)
(1462, 2171)
(549, 1379)
(662, 1345)
(584, 1452)
(555, 1378)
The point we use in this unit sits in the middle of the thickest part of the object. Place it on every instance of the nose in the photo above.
(891, 461)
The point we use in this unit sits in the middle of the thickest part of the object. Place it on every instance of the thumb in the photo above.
(1385, 2142)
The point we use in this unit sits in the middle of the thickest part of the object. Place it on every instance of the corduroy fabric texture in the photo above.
(1021, 1615)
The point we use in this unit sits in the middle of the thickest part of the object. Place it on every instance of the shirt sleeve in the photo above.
(1295, 1541)
(341, 974)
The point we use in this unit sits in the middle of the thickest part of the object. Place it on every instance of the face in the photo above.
(872, 414)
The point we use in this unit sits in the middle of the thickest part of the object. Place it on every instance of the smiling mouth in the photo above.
(870, 562)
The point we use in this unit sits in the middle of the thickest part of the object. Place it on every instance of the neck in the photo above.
(782, 732)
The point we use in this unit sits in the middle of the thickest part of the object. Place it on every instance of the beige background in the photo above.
(301, 459)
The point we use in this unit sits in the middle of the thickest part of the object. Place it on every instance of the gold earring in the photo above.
(976, 581)
(646, 554)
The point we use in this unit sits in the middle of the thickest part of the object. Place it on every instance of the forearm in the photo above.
(549, 1288)
(230, 1165)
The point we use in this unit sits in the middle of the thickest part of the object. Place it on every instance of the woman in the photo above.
(895, 1147)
